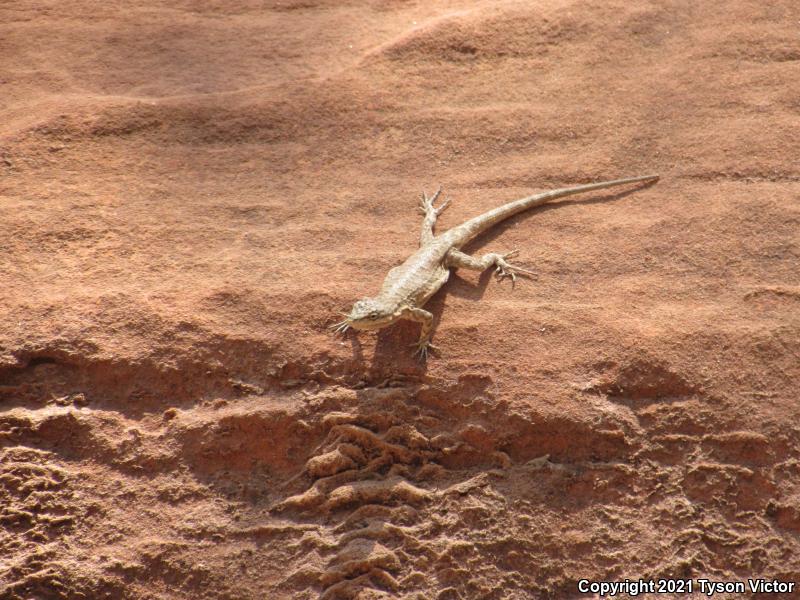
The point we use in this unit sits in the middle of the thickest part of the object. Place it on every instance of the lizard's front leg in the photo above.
(457, 259)
(421, 316)
(426, 208)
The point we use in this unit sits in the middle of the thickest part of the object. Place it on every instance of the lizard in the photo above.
(410, 285)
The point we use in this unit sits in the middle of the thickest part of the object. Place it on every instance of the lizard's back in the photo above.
(420, 276)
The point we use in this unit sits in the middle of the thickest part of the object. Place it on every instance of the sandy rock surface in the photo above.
(191, 192)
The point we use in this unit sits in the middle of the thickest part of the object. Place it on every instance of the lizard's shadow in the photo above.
(393, 348)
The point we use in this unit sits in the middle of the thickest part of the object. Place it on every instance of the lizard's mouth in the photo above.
(366, 324)
(371, 322)
(363, 324)
(367, 314)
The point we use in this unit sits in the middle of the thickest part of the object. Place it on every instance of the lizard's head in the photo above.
(370, 313)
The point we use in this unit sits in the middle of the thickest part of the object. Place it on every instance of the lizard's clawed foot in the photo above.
(426, 204)
(505, 269)
(422, 348)
(341, 327)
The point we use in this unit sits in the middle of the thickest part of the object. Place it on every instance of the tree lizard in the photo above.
(410, 285)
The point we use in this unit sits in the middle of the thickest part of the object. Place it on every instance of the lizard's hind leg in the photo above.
(426, 208)
(457, 259)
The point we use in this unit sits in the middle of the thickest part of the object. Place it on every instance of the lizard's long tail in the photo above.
(478, 225)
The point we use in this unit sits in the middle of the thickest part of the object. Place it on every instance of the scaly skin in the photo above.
(409, 286)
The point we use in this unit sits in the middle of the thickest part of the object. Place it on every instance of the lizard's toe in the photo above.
(505, 269)
(511, 254)
(340, 328)
(441, 209)
(505, 272)
(422, 349)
